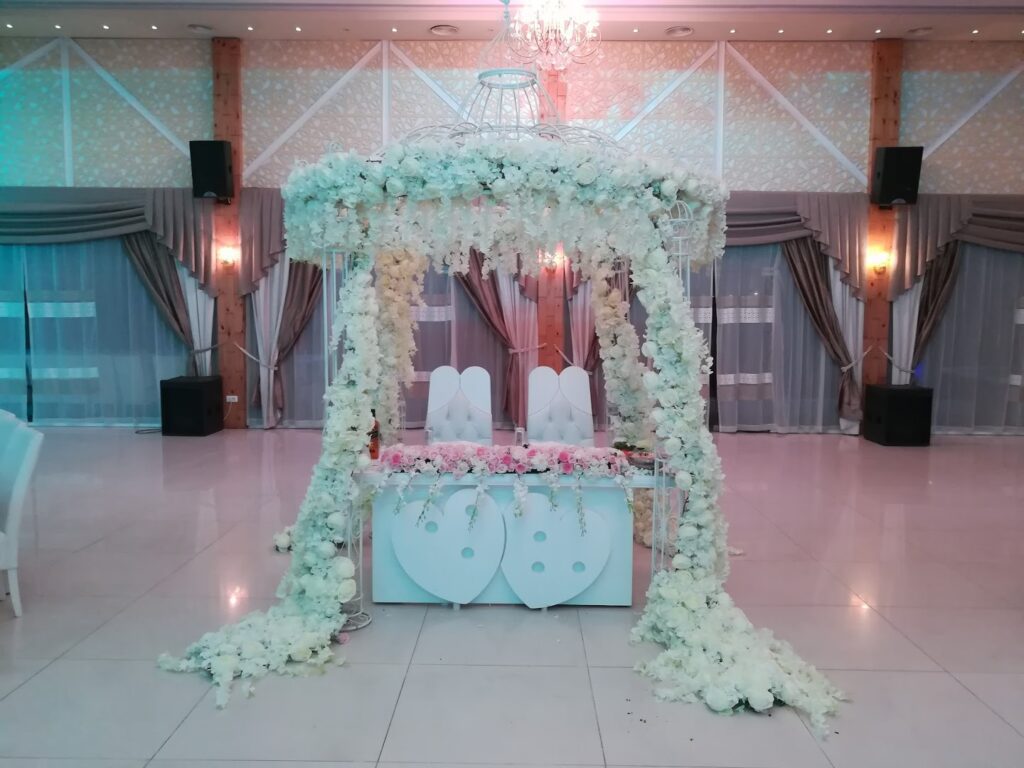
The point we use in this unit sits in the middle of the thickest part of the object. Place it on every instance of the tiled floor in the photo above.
(900, 571)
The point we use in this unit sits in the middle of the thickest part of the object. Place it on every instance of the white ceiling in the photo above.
(477, 19)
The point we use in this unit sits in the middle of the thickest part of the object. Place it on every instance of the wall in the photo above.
(764, 115)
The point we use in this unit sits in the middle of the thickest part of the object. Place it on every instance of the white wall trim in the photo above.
(315, 107)
(983, 102)
(29, 58)
(720, 113)
(665, 92)
(430, 82)
(65, 93)
(133, 102)
(797, 115)
(385, 93)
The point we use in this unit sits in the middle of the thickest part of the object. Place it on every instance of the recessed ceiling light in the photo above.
(442, 30)
(636, 29)
(11, 26)
(106, 26)
(394, 29)
(732, 31)
(781, 31)
(153, 26)
(57, 26)
(828, 31)
(250, 28)
(974, 31)
(679, 31)
(298, 29)
(878, 31)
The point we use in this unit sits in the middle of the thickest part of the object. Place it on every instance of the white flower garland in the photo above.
(510, 200)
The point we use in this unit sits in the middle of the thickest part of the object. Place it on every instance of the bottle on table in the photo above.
(374, 435)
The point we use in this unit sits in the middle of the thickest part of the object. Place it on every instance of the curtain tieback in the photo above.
(571, 363)
(873, 348)
(525, 349)
(240, 349)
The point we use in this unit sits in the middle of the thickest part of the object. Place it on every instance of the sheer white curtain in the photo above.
(98, 346)
(200, 306)
(904, 331)
(975, 358)
(302, 373)
(13, 350)
(520, 314)
(267, 308)
(434, 347)
(743, 344)
(805, 380)
(581, 323)
(850, 311)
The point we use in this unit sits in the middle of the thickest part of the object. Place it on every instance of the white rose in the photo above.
(344, 568)
(347, 590)
(336, 521)
(586, 174)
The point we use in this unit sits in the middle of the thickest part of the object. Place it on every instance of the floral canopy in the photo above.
(434, 202)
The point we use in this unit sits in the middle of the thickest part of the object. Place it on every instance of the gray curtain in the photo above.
(155, 266)
(33, 215)
(924, 229)
(809, 267)
(837, 221)
(939, 279)
(301, 300)
(263, 241)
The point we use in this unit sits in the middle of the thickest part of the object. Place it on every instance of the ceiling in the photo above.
(477, 19)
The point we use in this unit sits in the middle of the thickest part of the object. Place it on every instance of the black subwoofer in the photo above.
(192, 405)
(212, 169)
(897, 174)
(897, 415)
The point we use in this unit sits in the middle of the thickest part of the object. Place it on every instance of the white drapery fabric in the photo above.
(975, 359)
(200, 306)
(13, 351)
(581, 323)
(97, 344)
(520, 315)
(267, 309)
(434, 347)
(745, 314)
(904, 332)
(850, 311)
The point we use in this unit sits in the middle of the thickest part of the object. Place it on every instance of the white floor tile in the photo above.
(212, 574)
(913, 583)
(45, 762)
(832, 637)
(637, 729)
(500, 635)
(342, 714)
(156, 625)
(96, 709)
(900, 719)
(250, 764)
(97, 573)
(965, 640)
(785, 583)
(452, 714)
(389, 638)
(49, 626)
(606, 635)
(1003, 693)
(14, 672)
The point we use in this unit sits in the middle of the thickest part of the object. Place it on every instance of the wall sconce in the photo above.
(878, 260)
(229, 255)
(552, 261)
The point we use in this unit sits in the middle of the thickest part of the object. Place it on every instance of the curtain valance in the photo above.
(924, 229)
(32, 215)
(837, 221)
(263, 241)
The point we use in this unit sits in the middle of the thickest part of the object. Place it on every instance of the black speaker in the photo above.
(212, 170)
(897, 415)
(897, 173)
(192, 405)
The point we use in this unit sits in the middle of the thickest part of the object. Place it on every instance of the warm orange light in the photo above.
(878, 260)
(550, 260)
(229, 254)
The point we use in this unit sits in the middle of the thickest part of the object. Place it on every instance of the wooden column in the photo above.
(886, 74)
(227, 126)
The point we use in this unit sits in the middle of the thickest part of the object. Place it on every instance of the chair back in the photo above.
(459, 406)
(559, 408)
(17, 463)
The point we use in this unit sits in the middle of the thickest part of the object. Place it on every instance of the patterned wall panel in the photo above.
(112, 144)
(31, 118)
(283, 79)
(941, 83)
(452, 65)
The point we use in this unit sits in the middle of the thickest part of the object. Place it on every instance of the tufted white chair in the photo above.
(459, 406)
(17, 462)
(559, 407)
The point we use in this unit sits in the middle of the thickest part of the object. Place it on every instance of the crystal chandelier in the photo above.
(554, 33)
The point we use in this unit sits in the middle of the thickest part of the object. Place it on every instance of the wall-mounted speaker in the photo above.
(897, 173)
(212, 170)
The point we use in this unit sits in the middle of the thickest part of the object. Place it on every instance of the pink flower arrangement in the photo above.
(460, 459)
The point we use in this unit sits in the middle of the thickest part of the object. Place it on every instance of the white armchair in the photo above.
(459, 406)
(19, 450)
(559, 408)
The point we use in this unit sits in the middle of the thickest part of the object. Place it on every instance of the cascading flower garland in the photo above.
(509, 200)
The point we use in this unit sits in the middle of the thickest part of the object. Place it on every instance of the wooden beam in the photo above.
(227, 126)
(886, 75)
(551, 316)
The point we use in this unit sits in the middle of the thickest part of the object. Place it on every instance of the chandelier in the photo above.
(554, 33)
